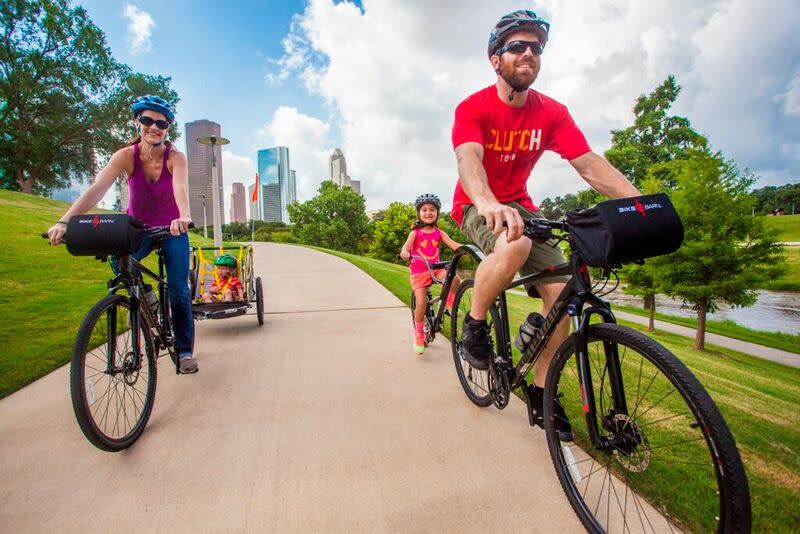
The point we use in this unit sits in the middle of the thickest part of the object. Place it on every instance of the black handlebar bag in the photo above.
(626, 229)
(112, 234)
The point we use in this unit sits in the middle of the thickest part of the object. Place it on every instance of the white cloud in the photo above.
(393, 73)
(140, 26)
(308, 140)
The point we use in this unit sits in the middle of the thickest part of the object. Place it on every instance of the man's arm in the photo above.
(475, 182)
(603, 176)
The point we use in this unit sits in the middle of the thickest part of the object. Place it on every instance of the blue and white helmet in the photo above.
(523, 19)
(153, 103)
(427, 198)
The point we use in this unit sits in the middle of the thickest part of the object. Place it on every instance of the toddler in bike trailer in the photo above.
(423, 242)
(226, 286)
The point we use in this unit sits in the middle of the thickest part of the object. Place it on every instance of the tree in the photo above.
(64, 100)
(655, 137)
(335, 218)
(771, 198)
(726, 252)
(392, 231)
(638, 152)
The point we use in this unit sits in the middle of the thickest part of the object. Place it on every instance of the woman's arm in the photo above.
(119, 162)
(449, 241)
(405, 252)
(179, 178)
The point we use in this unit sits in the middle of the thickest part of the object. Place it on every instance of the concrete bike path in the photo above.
(322, 420)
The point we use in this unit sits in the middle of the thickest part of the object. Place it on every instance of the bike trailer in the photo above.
(103, 234)
(625, 230)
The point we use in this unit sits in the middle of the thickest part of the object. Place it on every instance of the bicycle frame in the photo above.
(130, 280)
(570, 302)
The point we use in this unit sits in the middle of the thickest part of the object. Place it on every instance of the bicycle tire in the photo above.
(133, 403)
(474, 382)
(669, 441)
(259, 301)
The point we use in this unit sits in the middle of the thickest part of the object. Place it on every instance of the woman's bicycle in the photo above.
(433, 319)
(642, 424)
(113, 372)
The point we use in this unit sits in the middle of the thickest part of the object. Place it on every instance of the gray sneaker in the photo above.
(188, 365)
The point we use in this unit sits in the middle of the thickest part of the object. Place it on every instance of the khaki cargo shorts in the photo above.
(542, 255)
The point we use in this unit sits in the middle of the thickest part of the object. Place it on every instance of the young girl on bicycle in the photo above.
(423, 242)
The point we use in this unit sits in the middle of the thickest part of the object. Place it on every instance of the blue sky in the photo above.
(380, 79)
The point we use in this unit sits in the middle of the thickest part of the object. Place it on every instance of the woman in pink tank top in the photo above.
(423, 242)
(157, 177)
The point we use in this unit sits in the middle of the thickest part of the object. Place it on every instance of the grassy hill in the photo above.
(44, 292)
(788, 226)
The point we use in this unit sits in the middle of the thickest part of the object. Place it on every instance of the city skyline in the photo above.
(277, 186)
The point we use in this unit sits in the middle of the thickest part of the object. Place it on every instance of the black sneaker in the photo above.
(563, 427)
(475, 343)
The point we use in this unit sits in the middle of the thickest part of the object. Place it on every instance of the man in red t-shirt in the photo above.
(499, 134)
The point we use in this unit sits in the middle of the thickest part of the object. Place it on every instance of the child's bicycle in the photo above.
(434, 317)
(649, 450)
(113, 370)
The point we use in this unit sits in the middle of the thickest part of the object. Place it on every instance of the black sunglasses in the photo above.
(519, 47)
(148, 121)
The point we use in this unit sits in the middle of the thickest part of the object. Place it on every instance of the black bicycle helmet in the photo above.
(154, 103)
(427, 198)
(523, 19)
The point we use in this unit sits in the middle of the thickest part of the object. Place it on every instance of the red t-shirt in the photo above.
(513, 140)
(231, 283)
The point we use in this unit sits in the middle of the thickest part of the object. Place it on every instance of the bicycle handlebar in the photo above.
(158, 232)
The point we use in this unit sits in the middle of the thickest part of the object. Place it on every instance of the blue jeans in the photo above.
(175, 250)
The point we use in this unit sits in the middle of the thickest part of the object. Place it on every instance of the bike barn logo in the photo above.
(96, 221)
(640, 208)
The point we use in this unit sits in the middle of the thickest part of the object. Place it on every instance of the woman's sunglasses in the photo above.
(519, 47)
(147, 121)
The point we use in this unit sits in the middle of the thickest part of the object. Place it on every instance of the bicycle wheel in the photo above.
(474, 382)
(259, 302)
(112, 396)
(671, 463)
(427, 329)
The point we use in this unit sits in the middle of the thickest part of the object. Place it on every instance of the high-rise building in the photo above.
(338, 172)
(238, 203)
(199, 158)
(277, 186)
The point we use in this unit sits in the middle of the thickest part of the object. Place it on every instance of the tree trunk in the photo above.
(26, 184)
(700, 336)
(650, 304)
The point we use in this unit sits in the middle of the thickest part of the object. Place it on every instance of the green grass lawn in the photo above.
(44, 292)
(758, 399)
(788, 226)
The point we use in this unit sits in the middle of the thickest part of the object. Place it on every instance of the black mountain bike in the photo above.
(643, 425)
(434, 317)
(113, 371)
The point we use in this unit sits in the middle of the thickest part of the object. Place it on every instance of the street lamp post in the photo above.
(205, 225)
(213, 140)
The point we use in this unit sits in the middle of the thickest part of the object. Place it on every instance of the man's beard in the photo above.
(519, 82)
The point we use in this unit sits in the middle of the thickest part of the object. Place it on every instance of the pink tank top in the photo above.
(153, 203)
(426, 245)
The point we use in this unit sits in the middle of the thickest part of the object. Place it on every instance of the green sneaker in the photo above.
(419, 344)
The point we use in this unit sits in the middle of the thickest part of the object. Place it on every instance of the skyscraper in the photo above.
(199, 158)
(277, 185)
(338, 171)
(238, 203)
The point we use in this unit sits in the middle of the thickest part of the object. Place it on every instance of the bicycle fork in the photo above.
(613, 373)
